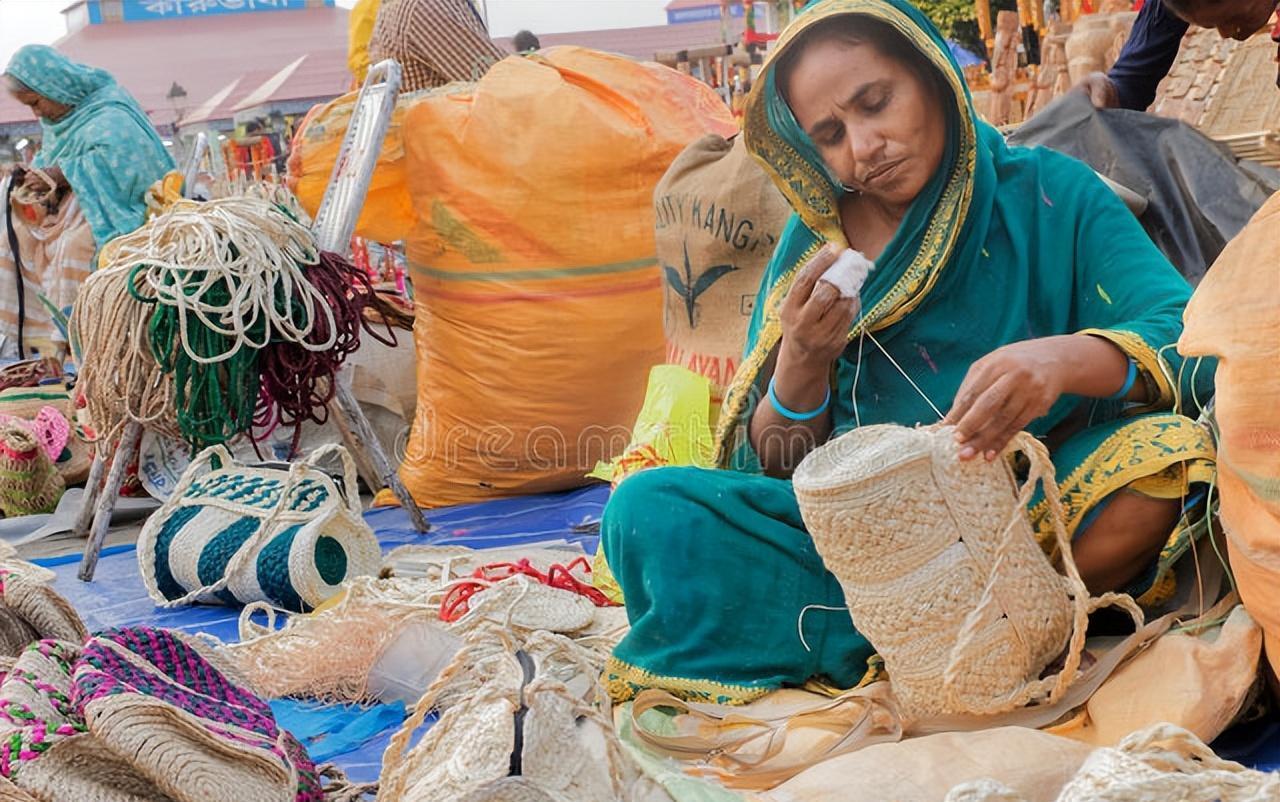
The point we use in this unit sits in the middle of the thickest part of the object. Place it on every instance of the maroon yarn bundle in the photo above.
(296, 384)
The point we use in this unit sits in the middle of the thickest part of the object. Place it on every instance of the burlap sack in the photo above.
(1035, 764)
(718, 217)
(1235, 316)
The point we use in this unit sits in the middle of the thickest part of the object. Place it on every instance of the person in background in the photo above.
(88, 184)
(435, 41)
(96, 140)
(525, 42)
(1153, 45)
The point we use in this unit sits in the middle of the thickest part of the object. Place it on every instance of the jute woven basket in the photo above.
(941, 570)
(45, 751)
(161, 704)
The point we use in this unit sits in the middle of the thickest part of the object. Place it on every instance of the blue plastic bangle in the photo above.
(1128, 382)
(793, 415)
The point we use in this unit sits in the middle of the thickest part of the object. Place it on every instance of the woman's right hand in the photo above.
(815, 318)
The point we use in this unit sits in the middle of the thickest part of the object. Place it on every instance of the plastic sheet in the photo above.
(1198, 195)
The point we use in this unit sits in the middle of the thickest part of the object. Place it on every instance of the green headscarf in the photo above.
(105, 146)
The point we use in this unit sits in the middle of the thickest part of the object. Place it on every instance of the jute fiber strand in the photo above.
(196, 293)
(119, 377)
(941, 570)
(1235, 316)
(327, 654)
(29, 484)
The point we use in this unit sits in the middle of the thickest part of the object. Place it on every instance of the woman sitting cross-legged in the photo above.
(1012, 290)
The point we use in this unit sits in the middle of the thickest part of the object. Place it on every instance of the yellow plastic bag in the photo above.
(674, 428)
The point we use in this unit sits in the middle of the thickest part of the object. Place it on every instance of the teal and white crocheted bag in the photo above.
(242, 534)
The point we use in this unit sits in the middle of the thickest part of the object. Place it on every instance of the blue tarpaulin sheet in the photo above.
(117, 598)
(354, 738)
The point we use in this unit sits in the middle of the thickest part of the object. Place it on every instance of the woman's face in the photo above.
(878, 125)
(41, 106)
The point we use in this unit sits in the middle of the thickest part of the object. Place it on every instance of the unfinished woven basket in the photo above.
(941, 570)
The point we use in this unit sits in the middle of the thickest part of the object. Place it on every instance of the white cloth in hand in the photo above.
(849, 273)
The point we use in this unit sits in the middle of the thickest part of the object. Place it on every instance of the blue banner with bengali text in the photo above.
(139, 10)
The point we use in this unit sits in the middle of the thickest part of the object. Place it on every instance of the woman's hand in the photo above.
(815, 318)
(815, 323)
(1100, 90)
(1012, 386)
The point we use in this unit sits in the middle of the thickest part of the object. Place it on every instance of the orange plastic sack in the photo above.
(533, 262)
(1235, 315)
(388, 210)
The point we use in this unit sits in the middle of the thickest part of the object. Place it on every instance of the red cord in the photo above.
(457, 602)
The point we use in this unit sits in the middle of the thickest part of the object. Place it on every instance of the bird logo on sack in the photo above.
(688, 288)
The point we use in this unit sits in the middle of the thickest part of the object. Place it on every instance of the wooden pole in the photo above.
(92, 489)
(349, 408)
(102, 510)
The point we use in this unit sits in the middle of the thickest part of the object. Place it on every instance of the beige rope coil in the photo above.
(941, 569)
(246, 245)
(121, 380)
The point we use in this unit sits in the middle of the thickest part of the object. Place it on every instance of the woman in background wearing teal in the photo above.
(96, 141)
(1011, 291)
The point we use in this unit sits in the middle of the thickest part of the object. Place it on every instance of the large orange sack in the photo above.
(533, 261)
(1235, 315)
(387, 214)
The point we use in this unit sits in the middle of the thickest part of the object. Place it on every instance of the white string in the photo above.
(857, 371)
(800, 620)
(910, 381)
(246, 246)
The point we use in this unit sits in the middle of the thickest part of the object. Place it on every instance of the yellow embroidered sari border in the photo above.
(1149, 363)
(1117, 461)
(624, 682)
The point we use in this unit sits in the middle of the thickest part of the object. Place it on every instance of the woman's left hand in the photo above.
(1004, 392)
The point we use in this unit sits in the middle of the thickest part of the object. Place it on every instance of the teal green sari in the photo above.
(726, 595)
(106, 146)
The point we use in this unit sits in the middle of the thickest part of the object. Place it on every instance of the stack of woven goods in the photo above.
(504, 648)
(138, 713)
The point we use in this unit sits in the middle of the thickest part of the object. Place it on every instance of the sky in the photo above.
(40, 21)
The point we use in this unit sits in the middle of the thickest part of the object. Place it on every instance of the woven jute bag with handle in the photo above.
(239, 534)
(942, 572)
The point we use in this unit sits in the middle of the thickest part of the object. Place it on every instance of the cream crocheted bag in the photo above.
(242, 534)
(942, 572)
